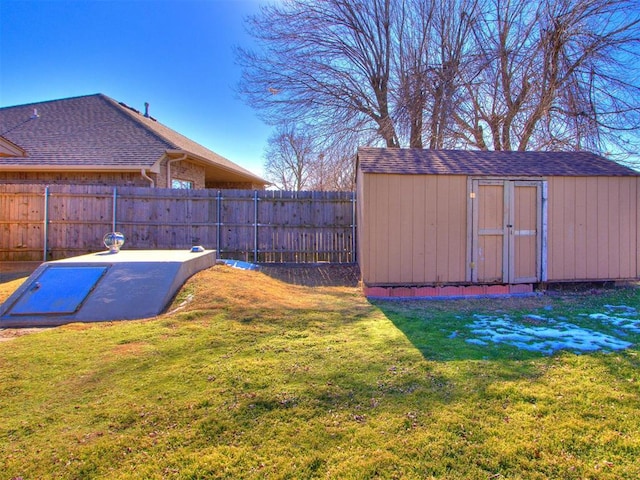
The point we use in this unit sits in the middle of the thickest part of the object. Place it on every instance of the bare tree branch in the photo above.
(485, 74)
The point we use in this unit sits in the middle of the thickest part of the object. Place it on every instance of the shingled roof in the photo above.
(463, 162)
(95, 131)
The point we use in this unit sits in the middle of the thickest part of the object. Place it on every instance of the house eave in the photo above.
(10, 149)
(238, 174)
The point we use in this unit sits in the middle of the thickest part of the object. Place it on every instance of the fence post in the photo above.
(218, 222)
(255, 226)
(46, 223)
(115, 197)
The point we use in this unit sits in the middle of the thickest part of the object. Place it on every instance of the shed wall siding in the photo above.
(413, 229)
(592, 228)
(363, 232)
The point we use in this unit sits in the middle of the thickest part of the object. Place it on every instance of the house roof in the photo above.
(463, 162)
(97, 132)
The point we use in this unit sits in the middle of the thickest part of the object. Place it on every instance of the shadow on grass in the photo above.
(518, 328)
(443, 335)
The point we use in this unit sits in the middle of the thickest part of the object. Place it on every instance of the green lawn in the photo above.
(255, 378)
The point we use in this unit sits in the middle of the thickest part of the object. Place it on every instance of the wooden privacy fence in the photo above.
(50, 222)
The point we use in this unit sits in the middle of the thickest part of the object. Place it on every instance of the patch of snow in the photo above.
(624, 322)
(623, 309)
(548, 335)
(240, 264)
(475, 341)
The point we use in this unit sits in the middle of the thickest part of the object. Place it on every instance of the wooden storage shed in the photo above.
(438, 222)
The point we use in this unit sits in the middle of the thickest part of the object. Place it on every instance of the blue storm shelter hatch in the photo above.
(53, 293)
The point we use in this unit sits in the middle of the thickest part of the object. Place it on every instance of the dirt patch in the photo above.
(128, 349)
(314, 275)
(7, 334)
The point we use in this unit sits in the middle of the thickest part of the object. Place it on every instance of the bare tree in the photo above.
(414, 23)
(289, 159)
(544, 77)
(485, 74)
(454, 21)
(323, 62)
(334, 170)
(296, 160)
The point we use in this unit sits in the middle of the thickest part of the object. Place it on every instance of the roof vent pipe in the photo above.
(146, 109)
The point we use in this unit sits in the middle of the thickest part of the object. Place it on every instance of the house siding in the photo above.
(183, 170)
(128, 179)
(235, 186)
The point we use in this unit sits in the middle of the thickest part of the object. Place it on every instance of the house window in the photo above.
(184, 184)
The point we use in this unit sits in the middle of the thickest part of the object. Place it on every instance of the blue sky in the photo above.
(175, 54)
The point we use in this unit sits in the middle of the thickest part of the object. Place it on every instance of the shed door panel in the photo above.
(506, 223)
(490, 233)
(524, 232)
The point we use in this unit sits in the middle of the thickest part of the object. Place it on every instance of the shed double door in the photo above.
(506, 231)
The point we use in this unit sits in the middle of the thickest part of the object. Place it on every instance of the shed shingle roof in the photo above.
(95, 130)
(463, 162)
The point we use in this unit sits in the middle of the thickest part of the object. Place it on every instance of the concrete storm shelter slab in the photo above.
(103, 286)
